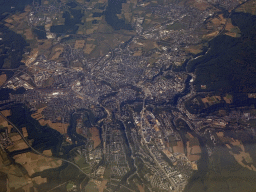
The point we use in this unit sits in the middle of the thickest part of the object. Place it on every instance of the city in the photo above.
(130, 115)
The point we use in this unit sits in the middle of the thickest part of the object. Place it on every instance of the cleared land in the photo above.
(193, 148)
(141, 188)
(249, 7)
(3, 78)
(179, 148)
(79, 44)
(95, 136)
(60, 127)
(36, 163)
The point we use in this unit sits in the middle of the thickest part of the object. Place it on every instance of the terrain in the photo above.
(128, 95)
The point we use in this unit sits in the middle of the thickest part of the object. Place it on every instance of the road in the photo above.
(39, 153)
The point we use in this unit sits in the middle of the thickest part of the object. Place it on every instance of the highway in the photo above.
(39, 153)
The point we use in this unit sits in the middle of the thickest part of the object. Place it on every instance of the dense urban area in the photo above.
(118, 105)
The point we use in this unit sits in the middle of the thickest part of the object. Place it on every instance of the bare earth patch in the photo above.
(179, 148)
(88, 48)
(79, 44)
(141, 188)
(95, 136)
(57, 52)
(3, 78)
(103, 185)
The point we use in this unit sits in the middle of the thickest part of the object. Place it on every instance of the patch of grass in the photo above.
(107, 173)
(176, 26)
(92, 187)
